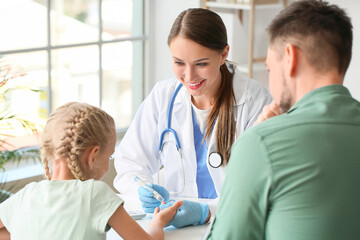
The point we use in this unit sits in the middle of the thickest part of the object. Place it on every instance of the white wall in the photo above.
(352, 78)
(164, 12)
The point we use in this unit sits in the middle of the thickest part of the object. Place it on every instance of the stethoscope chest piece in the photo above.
(215, 160)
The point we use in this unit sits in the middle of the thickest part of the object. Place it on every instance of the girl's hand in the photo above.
(163, 217)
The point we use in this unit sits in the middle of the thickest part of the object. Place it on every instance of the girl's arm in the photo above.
(128, 228)
(4, 234)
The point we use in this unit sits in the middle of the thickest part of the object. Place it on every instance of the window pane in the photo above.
(122, 18)
(74, 21)
(117, 82)
(20, 20)
(75, 75)
(27, 74)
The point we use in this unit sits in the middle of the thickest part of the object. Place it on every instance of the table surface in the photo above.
(190, 232)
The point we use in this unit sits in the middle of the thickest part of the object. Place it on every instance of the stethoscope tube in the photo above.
(169, 129)
(215, 159)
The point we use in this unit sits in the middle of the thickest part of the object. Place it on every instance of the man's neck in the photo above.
(310, 80)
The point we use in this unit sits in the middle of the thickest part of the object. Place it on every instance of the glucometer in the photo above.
(136, 214)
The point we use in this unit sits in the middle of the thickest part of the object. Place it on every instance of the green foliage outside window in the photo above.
(12, 121)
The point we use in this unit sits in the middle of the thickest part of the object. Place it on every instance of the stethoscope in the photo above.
(215, 160)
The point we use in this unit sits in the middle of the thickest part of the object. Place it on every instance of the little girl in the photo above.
(77, 143)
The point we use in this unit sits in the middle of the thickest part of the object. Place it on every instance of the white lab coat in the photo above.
(137, 154)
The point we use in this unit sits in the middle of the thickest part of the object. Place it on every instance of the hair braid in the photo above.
(44, 153)
(71, 130)
(71, 147)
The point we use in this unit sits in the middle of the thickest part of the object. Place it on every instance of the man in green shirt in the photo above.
(297, 175)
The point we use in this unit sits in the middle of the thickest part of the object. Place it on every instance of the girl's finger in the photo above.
(176, 205)
(156, 211)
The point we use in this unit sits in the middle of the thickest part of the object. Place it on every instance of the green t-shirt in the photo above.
(60, 210)
(296, 176)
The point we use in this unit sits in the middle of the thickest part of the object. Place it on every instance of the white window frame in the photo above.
(140, 79)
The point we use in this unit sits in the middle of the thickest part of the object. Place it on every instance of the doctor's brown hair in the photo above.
(323, 32)
(207, 28)
(71, 130)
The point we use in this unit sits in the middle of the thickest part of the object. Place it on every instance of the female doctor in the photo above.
(186, 125)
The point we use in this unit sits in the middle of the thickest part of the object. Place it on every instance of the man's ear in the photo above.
(291, 59)
(93, 153)
(224, 54)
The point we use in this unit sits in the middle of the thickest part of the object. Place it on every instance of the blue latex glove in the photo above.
(148, 202)
(190, 213)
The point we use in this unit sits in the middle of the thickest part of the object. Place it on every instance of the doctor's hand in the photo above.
(148, 202)
(268, 111)
(190, 213)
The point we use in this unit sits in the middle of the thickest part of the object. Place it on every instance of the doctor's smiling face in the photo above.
(198, 69)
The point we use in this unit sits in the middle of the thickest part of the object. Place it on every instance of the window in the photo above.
(75, 50)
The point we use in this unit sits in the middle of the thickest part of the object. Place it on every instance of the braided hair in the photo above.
(71, 130)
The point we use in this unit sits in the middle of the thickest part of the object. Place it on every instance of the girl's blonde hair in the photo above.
(71, 130)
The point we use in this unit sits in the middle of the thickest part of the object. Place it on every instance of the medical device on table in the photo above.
(136, 214)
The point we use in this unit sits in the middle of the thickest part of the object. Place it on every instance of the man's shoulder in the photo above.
(273, 126)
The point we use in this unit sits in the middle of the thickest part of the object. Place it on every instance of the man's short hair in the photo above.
(322, 31)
